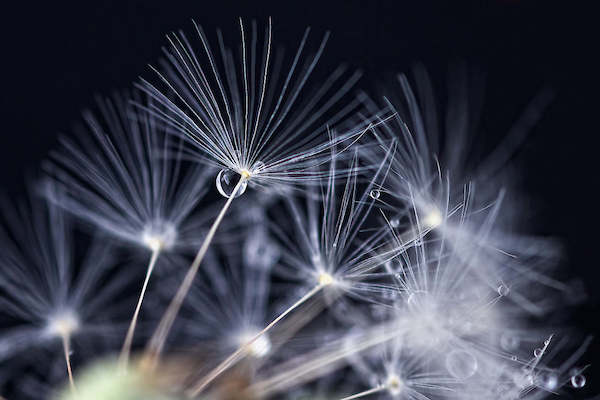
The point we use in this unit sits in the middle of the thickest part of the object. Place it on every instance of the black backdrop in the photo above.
(56, 55)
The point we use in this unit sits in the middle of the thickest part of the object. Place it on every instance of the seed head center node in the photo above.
(62, 325)
(325, 279)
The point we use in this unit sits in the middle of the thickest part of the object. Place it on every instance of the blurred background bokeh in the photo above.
(57, 55)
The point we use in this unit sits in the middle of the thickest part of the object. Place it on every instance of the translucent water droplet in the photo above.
(394, 222)
(514, 358)
(538, 352)
(503, 290)
(375, 194)
(226, 182)
(549, 381)
(578, 381)
(461, 364)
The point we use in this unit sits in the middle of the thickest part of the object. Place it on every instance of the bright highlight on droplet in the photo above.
(228, 179)
(503, 290)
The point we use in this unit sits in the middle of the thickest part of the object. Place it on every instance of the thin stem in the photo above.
(66, 342)
(239, 353)
(365, 393)
(126, 350)
(157, 342)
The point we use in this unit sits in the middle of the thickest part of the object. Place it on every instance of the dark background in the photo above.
(56, 56)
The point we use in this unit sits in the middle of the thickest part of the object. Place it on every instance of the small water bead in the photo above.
(395, 222)
(549, 381)
(578, 381)
(375, 194)
(461, 364)
(538, 352)
(503, 290)
(514, 358)
(227, 181)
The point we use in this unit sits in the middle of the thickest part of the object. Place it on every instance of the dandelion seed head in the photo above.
(62, 324)
(325, 279)
(394, 385)
(258, 347)
(126, 176)
(244, 114)
(53, 290)
(159, 235)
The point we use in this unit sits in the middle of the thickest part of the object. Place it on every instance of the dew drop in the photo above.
(538, 352)
(461, 364)
(375, 194)
(549, 381)
(547, 341)
(514, 358)
(578, 381)
(226, 182)
(503, 290)
(394, 222)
